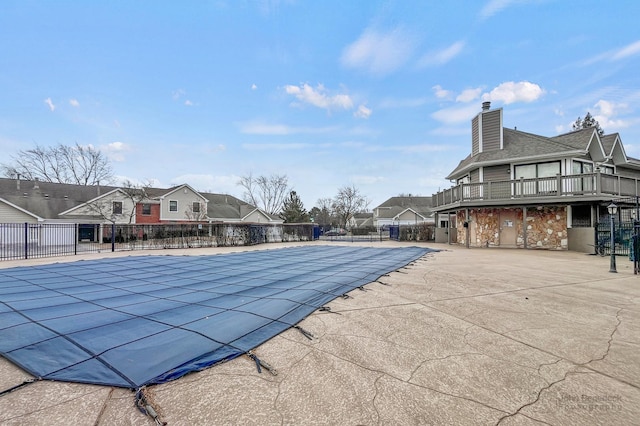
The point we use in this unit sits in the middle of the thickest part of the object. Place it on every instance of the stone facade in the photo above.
(546, 227)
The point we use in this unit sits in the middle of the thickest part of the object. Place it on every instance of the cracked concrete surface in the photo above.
(481, 336)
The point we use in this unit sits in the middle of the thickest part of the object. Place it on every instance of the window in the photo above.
(117, 207)
(173, 206)
(196, 207)
(579, 167)
(536, 177)
(583, 183)
(146, 209)
(581, 216)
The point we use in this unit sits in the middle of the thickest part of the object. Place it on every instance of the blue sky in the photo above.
(376, 94)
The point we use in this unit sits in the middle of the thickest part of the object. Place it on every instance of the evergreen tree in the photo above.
(588, 121)
(292, 210)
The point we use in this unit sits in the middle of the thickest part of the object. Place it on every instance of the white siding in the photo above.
(185, 198)
(103, 208)
(9, 214)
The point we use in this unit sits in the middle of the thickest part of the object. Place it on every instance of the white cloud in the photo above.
(440, 92)
(441, 57)
(606, 113)
(215, 148)
(50, 104)
(469, 95)
(177, 94)
(261, 128)
(615, 54)
(367, 180)
(254, 86)
(277, 146)
(510, 92)
(116, 150)
(629, 50)
(456, 114)
(362, 112)
(74, 103)
(379, 53)
(493, 7)
(318, 97)
(187, 102)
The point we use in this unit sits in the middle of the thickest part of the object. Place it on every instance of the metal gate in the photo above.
(623, 235)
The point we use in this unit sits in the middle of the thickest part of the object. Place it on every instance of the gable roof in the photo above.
(396, 206)
(47, 200)
(522, 146)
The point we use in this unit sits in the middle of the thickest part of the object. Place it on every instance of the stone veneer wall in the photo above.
(546, 227)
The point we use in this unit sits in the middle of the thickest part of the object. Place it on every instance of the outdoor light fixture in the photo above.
(613, 209)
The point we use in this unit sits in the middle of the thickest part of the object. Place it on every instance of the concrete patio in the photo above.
(480, 336)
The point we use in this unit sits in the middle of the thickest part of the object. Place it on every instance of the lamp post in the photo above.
(613, 209)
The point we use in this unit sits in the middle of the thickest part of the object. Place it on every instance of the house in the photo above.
(403, 210)
(92, 206)
(360, 220)
(517, 189)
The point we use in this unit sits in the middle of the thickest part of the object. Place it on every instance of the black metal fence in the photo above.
(623, 236)
(36, 240)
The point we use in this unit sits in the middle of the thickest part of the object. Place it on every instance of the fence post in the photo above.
(113, 237)
(75, 242)
(26, 240)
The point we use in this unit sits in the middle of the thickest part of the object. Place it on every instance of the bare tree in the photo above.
(265, 192)
(348, 201)
(80, 165)
(111, 209)
(196, 212)
(322, 213)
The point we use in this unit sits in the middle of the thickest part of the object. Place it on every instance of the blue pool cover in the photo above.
(139, 320)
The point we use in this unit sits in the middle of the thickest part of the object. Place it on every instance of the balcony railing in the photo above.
(587, 184)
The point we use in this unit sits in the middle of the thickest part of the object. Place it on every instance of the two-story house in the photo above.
(93, 206)
(517, 189)
(403, 210)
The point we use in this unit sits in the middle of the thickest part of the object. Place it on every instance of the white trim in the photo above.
(86, 203)
(20, 209)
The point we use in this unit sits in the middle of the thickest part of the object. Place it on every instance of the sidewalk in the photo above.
(462, 336)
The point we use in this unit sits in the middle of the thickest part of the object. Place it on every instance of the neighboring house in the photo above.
(226, 208)
(518, 189)
(91, 206)
(178, 204)
(360, 220)
(403, 211)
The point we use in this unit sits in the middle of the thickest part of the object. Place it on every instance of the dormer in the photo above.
(486, 130)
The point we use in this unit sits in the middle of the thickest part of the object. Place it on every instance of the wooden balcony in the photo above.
(584, 187)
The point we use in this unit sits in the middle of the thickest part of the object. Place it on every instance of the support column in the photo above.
(524, 226)
(468, 234)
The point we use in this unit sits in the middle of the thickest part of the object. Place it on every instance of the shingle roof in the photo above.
(518, 144)
(47, 200)
(396, 205)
